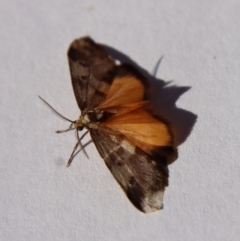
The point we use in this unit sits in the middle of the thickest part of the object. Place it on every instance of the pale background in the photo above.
(41, 199)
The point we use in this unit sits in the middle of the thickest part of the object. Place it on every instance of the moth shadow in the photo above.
(60, 162)
(163, 97)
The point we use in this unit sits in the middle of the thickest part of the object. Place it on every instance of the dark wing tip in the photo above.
(85, 49)
(148, 202)
(165, 155)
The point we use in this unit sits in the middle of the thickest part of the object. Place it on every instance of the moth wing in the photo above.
(129, 86)
(92, 72)
(146, 130)
(142, 177)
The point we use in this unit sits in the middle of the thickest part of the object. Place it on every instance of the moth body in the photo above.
(136, 144)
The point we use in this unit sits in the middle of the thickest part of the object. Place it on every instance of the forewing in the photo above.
(142, 177)
(92, 72)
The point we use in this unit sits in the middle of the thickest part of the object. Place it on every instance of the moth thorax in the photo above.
(90, 117)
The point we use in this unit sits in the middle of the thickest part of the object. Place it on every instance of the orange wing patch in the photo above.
(124, 90)
(140, 126)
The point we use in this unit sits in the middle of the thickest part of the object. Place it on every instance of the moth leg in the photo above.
(83, 147)
(70, 128)
(80, 143)
(73, 154)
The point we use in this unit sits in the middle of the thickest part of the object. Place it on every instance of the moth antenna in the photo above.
(54, 111)
(73, 154)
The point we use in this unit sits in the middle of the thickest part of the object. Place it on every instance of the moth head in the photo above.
(77, 125)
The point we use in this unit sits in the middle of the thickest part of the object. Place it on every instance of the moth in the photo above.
(136, 144)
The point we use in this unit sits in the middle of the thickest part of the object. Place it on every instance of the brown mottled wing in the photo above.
(142, 177)
(92, 72)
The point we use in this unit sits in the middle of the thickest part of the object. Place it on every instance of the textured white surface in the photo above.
(41, 199)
